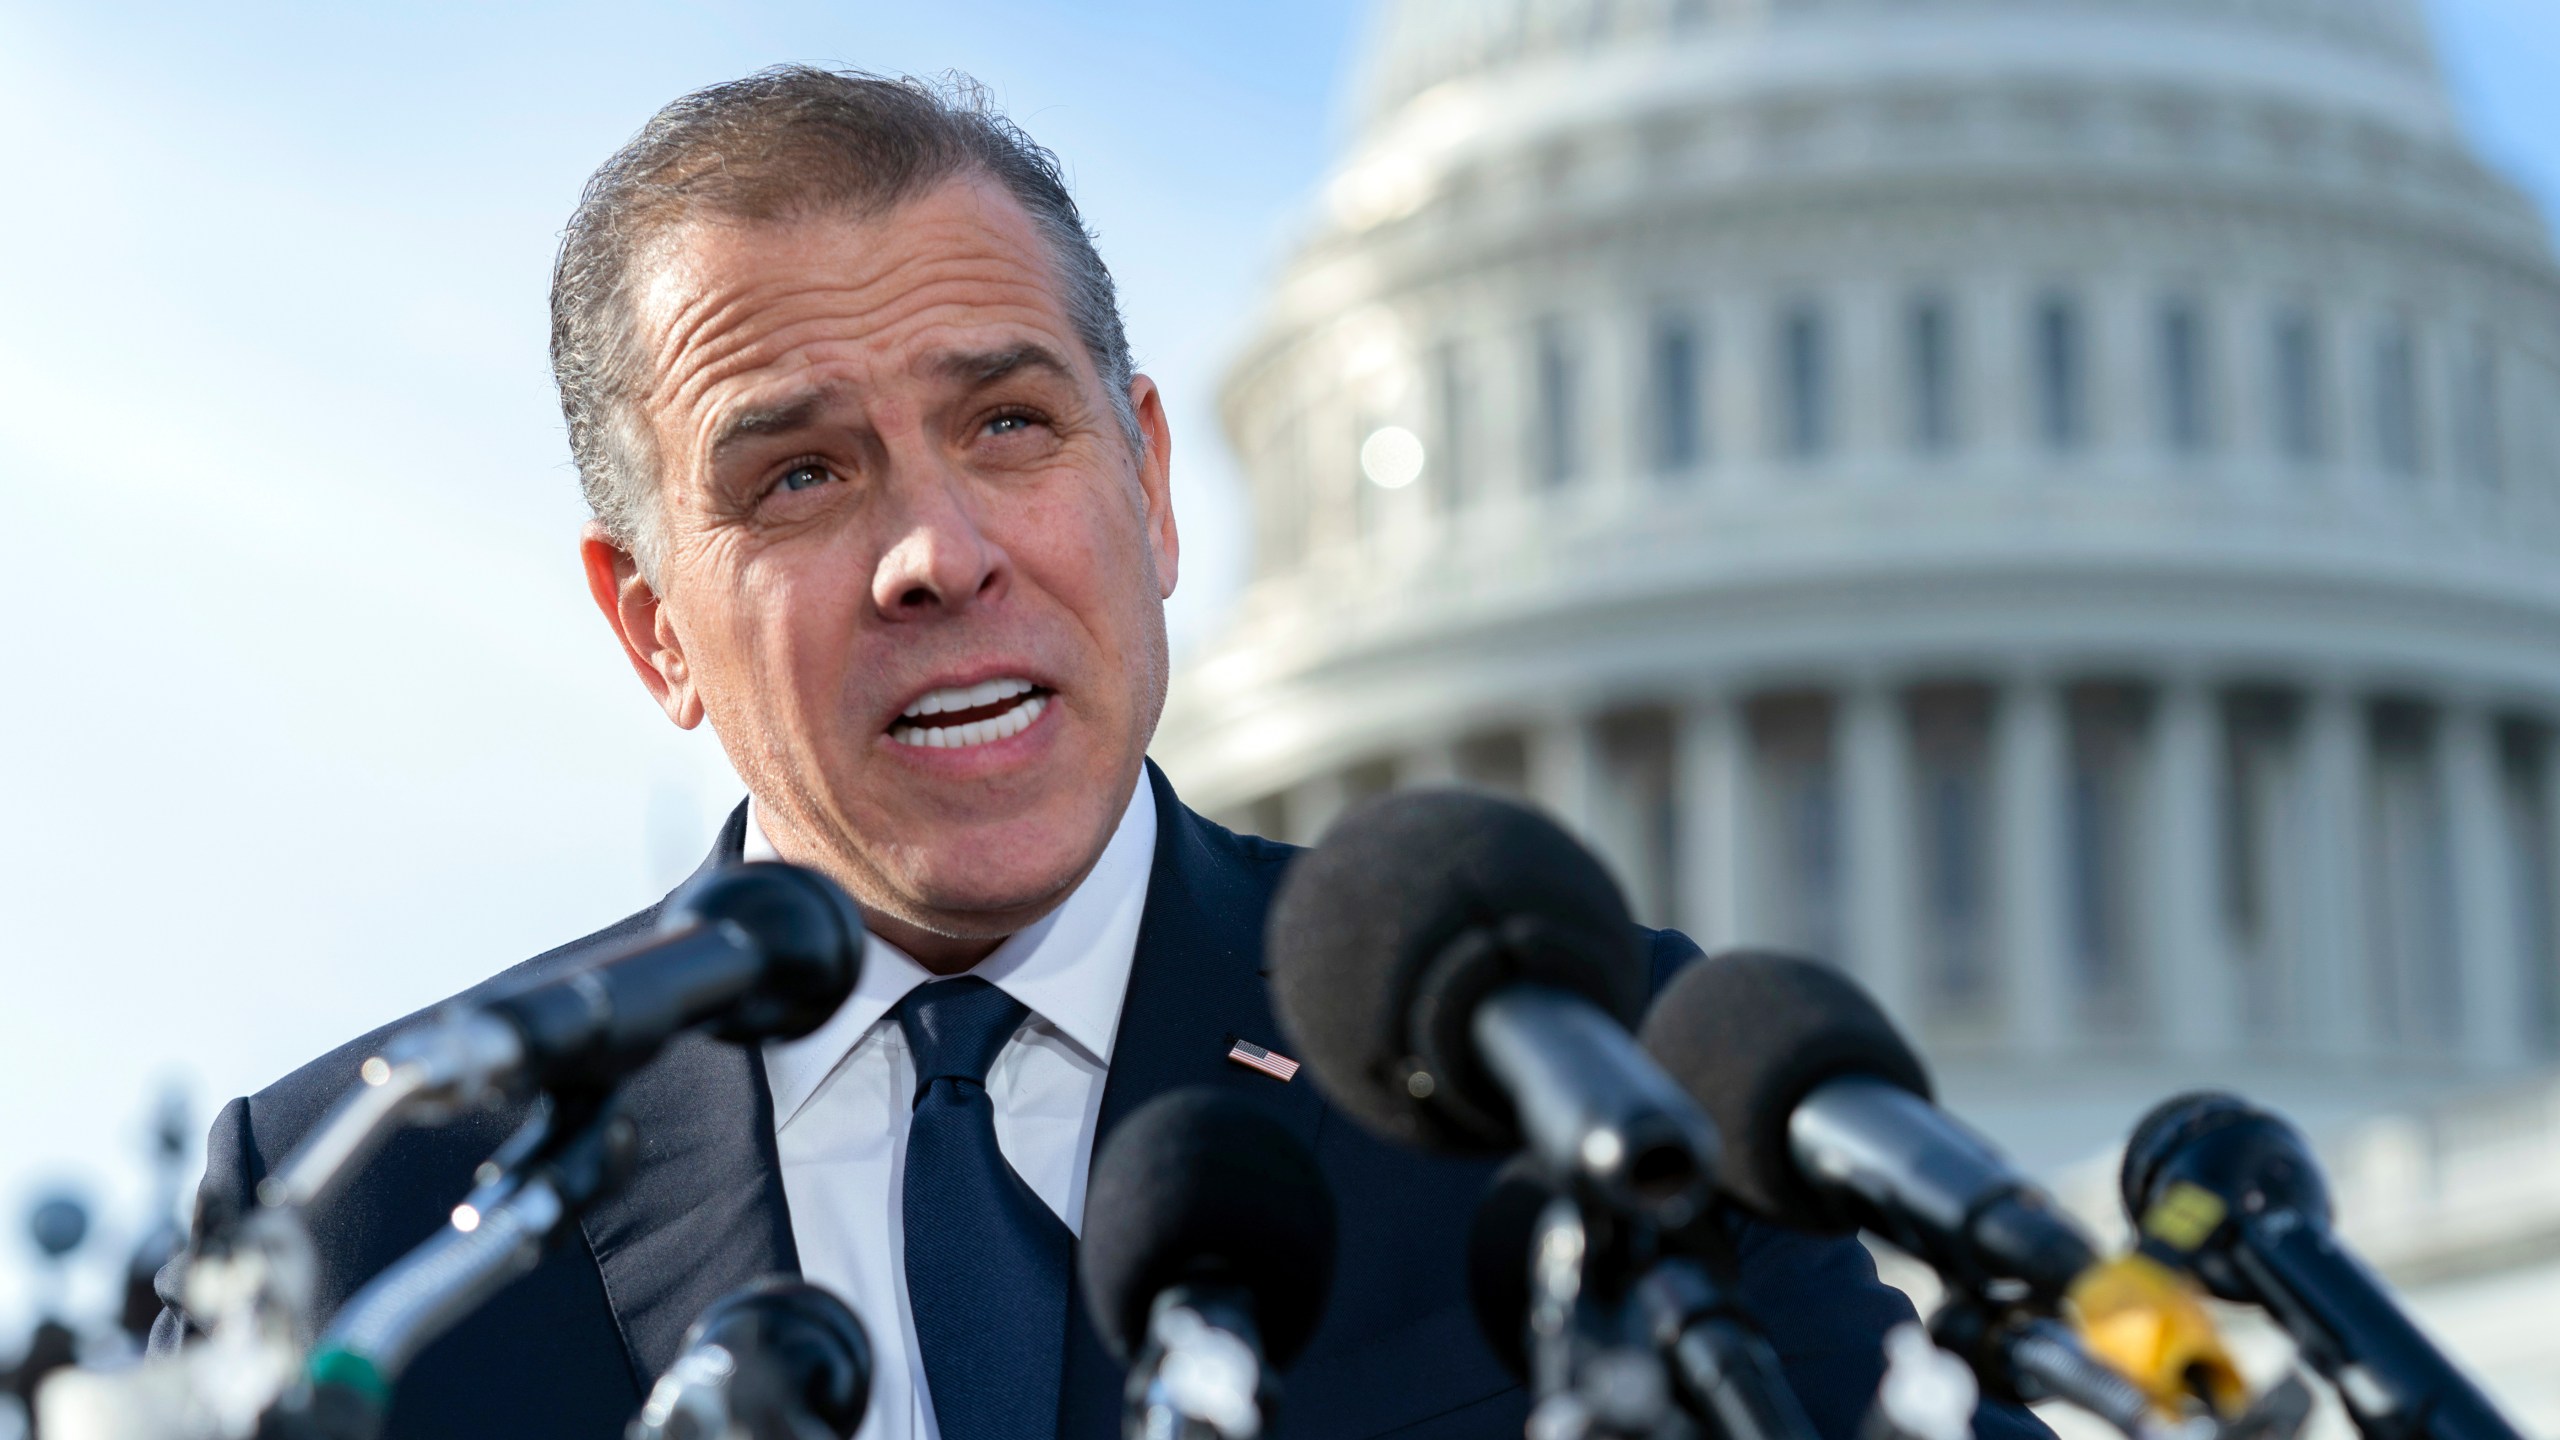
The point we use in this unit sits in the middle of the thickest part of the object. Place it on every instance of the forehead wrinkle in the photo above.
(710, 333)
(910, 319)
(965, 220)
(716, 308)
(712, 337)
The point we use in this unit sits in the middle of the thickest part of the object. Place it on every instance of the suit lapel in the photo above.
(702, 1211)
(1195, 983)
(1195, 987)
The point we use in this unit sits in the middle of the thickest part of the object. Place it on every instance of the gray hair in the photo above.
(783, 144)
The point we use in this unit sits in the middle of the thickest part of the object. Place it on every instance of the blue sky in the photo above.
(312, 722)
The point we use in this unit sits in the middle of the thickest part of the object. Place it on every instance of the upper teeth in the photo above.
(966, 697)
(1003, 725)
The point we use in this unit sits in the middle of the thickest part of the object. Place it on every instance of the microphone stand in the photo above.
(1201, 1375)
(1636, 1335)
(425, 1075)
(251, 1281)
(2025, 1357)
(1726, 1371)
(249, 1379)
(569, 1153)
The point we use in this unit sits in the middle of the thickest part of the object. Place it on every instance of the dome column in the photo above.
(2542, 988)
(1740, 390)
(1615, 399)
(1863, 318)
(1565, 775)
(2196, 1004)
(2029, 756)
(1876, 752)
(2487, 937)
(1431, 763)
(1711, 770)
(1996, 420)
(2334, 985)
(2122, 350)
(1506, 437)
(1311, 805)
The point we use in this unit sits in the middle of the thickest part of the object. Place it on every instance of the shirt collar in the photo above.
(1070, 967)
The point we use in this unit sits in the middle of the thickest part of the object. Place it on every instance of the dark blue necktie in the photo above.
(987, 1262)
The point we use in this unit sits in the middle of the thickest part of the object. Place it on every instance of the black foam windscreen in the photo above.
(1416, 906)
(1506, 1225)
(2254, 1159)
(2157, 1136)
(1200, 1188)
(797, 1349)
(809, 930)
(1749, 1034)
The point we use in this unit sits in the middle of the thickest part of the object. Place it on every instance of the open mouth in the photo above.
(966, 715)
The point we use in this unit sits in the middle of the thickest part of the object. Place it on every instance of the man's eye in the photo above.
(805, 477)
(1008, 424)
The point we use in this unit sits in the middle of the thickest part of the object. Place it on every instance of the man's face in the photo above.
(913, 570)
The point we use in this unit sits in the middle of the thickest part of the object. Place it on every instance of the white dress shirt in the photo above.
(841, 1098)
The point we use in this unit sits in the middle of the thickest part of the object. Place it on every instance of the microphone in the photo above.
(1829, 1127)
(759, 951)
(1207, 1254)
(780, 1359)
(1461, 974)
(2232, 1193)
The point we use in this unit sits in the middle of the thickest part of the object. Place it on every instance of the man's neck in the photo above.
(942, 951)
(939, 953)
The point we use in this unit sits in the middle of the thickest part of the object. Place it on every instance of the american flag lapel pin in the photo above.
(1271, 1063)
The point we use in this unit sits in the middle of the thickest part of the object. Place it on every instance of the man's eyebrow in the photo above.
(985, 367)
(756, 421)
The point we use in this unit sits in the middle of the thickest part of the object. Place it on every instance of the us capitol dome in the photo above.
(2051, 504)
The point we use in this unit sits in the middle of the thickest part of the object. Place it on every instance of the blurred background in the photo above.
(2053, 504)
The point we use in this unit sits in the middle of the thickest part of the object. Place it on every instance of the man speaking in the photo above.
(879, 497)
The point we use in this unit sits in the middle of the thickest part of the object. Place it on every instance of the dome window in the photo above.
(2297, 387)
(2062, 405)
(2395, 398)
(1930, 341)
(1804, 383)
(2186, 425)
(1679, 421)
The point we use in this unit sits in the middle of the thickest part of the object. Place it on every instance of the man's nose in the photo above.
(941, 561)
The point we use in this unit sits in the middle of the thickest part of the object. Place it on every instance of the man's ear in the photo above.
(1155, 479)
(648, 634)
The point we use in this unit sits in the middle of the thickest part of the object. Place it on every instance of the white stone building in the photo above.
(2052, 503)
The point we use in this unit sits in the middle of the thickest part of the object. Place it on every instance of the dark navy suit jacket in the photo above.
(568, 1352)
